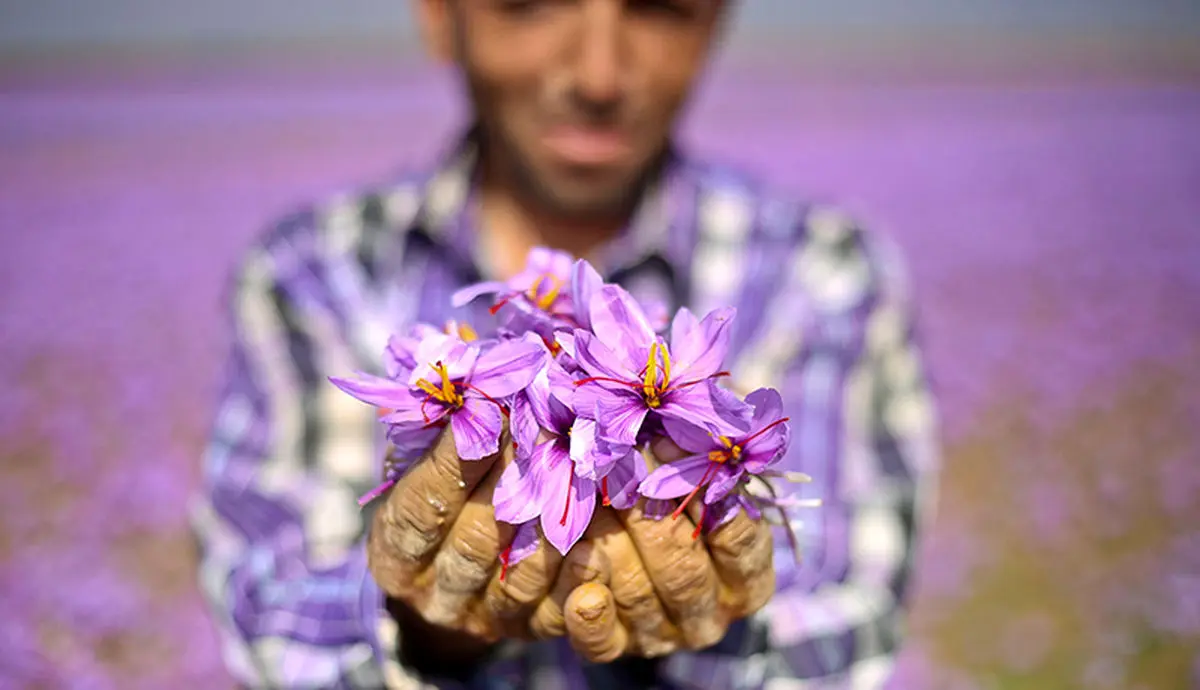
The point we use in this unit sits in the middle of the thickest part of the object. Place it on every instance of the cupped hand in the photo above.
(434, 547)
(667, 589)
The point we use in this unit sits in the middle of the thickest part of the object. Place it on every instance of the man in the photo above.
(574, 104)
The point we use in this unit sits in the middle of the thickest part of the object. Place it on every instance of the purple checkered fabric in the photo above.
(823, 314)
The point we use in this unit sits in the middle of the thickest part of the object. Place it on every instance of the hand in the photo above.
(434, 549)
(668, 591)
(665, 590)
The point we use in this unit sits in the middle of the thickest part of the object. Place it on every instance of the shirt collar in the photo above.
(663, 225)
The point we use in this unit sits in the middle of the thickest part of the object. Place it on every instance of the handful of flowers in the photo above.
(586, 383)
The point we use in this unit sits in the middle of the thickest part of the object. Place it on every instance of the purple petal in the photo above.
(619, 417)
(566, 340)
(675, 479)
(515, 498)
(562, 382)
(723, 480)
(538, 396)
(690, 437)
(766, 448)
(523, 424)
(524, 543)
(583, 447)
(375, 390)
(569, 501)
(412, 441)
(710, 406)
(458, 358)
(619, 322)
(750, 507)
(593, 456)
(699, 348)
(509, 366)
(721, 512)
(543, 261)
(585, 283)
(476, 427)
(471, 292)
(623, 480)
(598, 360)
(656, 509)
(731, 410)
(768, 406)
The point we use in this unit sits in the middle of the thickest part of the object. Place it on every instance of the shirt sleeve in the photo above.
(283, 565)
(864, 427)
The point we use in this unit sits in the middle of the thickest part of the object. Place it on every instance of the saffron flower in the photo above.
(456, 383)
(541, 481)
(718, 463)
(633, 372)
(539, 295)
(588, 382)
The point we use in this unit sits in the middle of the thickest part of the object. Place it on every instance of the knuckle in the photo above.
(634, 593)
(686, 577)
(412, 527)
(736, 537)
(524, 588)
(477, 542)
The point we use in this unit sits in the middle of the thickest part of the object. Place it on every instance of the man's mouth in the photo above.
(588, 146)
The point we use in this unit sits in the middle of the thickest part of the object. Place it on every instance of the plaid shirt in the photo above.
(823, 315)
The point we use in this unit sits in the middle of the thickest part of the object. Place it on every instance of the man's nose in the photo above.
(599, 68)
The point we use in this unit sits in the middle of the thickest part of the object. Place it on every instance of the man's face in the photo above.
(577, 98)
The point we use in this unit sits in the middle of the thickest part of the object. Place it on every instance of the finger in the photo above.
(585, 563)
(682, 573)
(743, 555)
(467, 558)
(513, 599)
(418, 513)
(592, 624)
(651, 632)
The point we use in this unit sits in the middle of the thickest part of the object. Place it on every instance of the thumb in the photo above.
(590, 615)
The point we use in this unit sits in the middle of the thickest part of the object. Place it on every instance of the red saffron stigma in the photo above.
(504, 559)
(708, 474)
(763, 430)
(700, 525)
(500, 305)
(604, 491)
(593, 379)
(567, 503)
(687, 384)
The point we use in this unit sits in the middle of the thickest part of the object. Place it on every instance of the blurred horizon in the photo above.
(880, 39)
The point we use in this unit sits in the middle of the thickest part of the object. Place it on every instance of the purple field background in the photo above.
(1052, 227)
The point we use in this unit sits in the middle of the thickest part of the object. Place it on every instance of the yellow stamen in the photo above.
(666, 365)
(448, 393)
(723, 456)
(544, 302)
(650, 383)
(429, 388)
(467, 333)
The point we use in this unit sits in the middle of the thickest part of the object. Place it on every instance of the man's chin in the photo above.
(588, 200)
